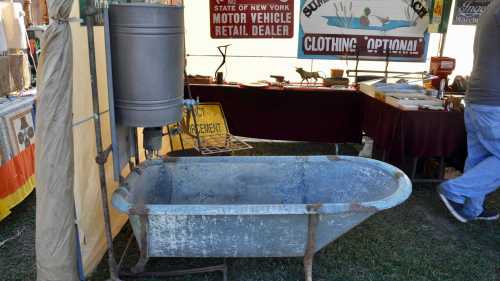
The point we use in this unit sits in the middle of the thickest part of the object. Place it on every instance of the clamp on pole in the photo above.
(102, 158)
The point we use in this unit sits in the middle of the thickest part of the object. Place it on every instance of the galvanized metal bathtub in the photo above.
(253, 206)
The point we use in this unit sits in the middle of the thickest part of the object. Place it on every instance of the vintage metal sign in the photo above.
(467, 12)
(251, 18)
(369, 29)
(210, 120)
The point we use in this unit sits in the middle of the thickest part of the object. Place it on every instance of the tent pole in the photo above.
(441, 44)
(101, 155)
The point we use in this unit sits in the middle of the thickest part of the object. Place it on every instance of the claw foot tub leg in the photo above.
(308, 263)
(313, 219)
(143, 247)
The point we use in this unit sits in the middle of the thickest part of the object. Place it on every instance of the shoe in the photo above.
(454, 208)
(488, 216)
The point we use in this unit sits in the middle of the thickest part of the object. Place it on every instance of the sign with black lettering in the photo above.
(467, 12)
(368, 29)
(251, 18)
(211, 123)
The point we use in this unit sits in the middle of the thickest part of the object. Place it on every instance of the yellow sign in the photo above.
(211, 125)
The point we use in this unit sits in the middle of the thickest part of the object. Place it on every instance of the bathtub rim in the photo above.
(401, 193)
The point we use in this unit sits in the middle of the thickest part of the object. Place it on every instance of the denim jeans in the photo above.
(482, 167)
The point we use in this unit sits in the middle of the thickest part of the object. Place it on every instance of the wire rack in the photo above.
(208, 145)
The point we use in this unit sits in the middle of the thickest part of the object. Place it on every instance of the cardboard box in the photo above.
(5, 87)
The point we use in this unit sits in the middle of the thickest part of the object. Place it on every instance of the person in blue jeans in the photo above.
(464, 196)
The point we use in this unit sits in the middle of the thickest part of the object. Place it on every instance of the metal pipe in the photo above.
(191, 109)
(91, 11)
(356, 68)
(386, 72)
(382, 71)
(347, 58)
(442, 43)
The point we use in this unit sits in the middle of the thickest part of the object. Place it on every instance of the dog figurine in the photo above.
(306, 75)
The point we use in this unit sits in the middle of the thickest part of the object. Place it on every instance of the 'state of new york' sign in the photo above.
(251, 18)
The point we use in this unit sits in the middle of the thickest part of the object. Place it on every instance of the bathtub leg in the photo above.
(140, 265)
(224, 271)
(144, 255)
(313, 219)
(308, 264)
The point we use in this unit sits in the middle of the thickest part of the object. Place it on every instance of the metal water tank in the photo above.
(147, 53)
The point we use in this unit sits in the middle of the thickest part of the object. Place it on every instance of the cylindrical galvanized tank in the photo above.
(147, 53)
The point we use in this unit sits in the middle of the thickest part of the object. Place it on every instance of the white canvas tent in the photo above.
(66, 138)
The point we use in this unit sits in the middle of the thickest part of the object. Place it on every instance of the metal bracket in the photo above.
(103, 156)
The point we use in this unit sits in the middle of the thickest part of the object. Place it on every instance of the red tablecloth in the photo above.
(337, 116)
(288, 114)
(423, 133)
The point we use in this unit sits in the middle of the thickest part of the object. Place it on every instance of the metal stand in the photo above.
(414, 166)
(414, 178)
(218, 268)
(101, 159)
(101, 155)
(138, 271)
(223, 54)
(386, 72)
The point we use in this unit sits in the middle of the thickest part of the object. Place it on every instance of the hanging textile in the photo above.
(55, 215)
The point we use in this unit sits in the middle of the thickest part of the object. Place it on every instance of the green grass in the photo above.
(417, 240)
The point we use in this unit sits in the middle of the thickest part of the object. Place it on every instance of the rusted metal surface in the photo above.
(399, 175)
(333, 157)
(356, 207)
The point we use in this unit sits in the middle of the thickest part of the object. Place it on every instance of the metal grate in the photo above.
(220, 144)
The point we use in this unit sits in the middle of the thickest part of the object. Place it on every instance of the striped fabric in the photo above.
(17, 180)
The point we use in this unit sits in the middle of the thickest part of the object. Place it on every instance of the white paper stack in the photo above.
(372, 89)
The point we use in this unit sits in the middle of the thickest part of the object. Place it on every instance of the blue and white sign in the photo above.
(368, 29)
